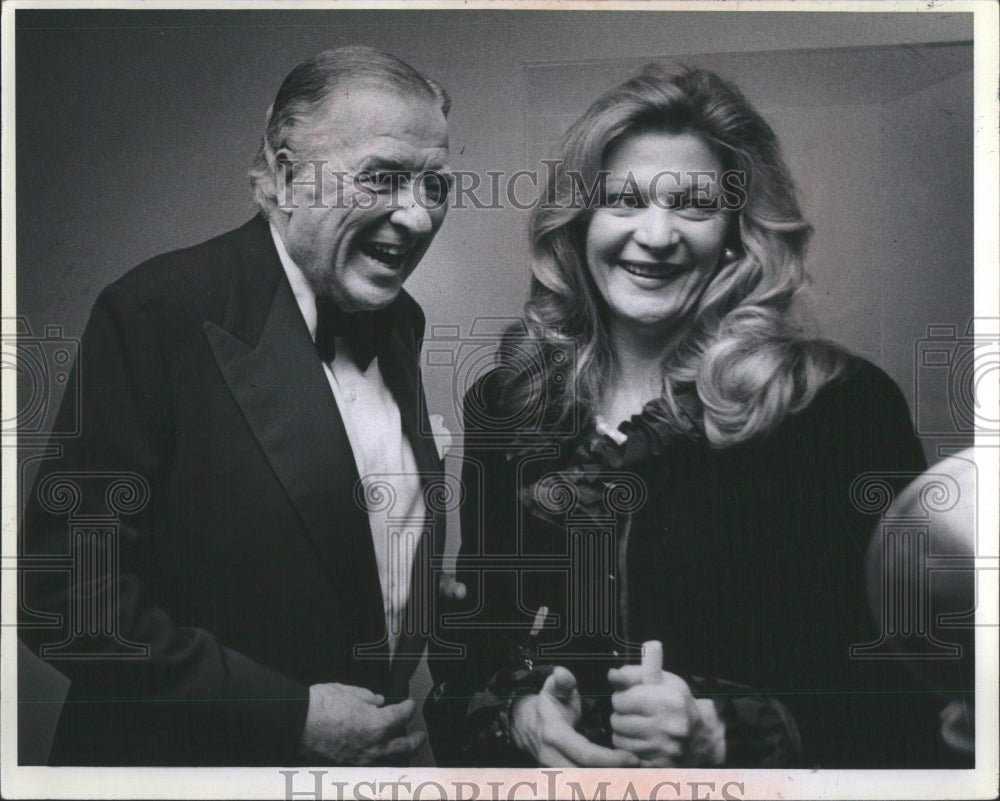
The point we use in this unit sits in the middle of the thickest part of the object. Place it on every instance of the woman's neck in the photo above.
(638, 375)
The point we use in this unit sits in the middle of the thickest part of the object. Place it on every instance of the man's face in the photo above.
(359, 239)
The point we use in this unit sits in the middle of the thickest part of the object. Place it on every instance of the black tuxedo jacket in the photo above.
(248, 573)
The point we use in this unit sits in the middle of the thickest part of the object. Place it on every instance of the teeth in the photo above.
(649, 270)
(388, 254)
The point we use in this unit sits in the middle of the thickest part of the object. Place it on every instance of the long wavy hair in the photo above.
(743, 362)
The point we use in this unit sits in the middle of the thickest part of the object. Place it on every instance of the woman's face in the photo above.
(654, 244)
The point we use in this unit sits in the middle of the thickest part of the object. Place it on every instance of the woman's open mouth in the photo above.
(660, 270)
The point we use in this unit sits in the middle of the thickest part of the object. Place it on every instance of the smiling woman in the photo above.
(650, 258)
(677, 474)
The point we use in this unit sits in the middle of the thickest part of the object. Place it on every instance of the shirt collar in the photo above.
(305, 298)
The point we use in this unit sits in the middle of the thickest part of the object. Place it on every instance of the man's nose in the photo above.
(411, 213)
(656, 228)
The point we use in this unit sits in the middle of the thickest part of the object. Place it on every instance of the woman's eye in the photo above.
(698, 213)
(693, 208)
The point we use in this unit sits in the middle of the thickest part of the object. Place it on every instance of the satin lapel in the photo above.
(282, 390)
(402, 376)
(400, 371)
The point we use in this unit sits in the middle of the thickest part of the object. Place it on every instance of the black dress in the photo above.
(745, 562)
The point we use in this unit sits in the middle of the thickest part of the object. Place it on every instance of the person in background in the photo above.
(933, 517)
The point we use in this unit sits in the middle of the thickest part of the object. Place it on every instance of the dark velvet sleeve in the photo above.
(468, 711)
(864, 712)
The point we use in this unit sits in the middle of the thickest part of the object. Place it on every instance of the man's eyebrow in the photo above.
(383, 164)
(398, 164)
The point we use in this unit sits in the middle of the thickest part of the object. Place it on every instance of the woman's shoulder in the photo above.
(862, 414)
(862, 386)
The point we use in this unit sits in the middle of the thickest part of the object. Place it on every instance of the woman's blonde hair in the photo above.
(743, 363)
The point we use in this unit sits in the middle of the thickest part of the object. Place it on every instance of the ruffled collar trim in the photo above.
(599, 478)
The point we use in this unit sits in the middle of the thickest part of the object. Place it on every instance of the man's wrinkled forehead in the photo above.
(359, 111)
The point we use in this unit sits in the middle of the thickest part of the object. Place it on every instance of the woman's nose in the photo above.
(656, 228)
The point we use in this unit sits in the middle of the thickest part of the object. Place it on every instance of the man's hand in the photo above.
(662, 723)
(542, 725)
(352, 726)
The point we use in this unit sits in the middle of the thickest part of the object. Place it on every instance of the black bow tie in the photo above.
(362, 331)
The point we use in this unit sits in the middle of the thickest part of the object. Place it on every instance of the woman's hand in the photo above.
(450, 588)
(542, 725)
(661, 722)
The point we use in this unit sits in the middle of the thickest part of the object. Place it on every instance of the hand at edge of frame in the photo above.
(662, 723)
(543, 725)
(349, 725)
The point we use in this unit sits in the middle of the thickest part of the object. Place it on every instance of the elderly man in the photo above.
(247, 393)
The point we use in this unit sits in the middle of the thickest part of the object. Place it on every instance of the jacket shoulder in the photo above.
(198, 275)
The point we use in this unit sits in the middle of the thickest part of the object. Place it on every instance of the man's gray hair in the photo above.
(304, 93)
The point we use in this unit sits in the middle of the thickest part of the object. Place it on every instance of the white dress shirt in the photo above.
(382, 454)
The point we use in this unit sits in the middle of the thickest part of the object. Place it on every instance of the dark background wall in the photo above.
(135, 129)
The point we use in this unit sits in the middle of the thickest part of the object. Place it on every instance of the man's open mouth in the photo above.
(391, 256)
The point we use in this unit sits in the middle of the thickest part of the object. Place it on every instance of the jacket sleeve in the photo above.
(882, 715)
(144, 690)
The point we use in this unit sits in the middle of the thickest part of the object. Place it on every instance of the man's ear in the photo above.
(284, 166)
(282, 177)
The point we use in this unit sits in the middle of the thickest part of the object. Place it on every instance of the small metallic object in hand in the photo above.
(540, 615)
(652, 662)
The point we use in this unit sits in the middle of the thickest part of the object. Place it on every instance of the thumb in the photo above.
(560, 685)
(652, 662)
(451, 589)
